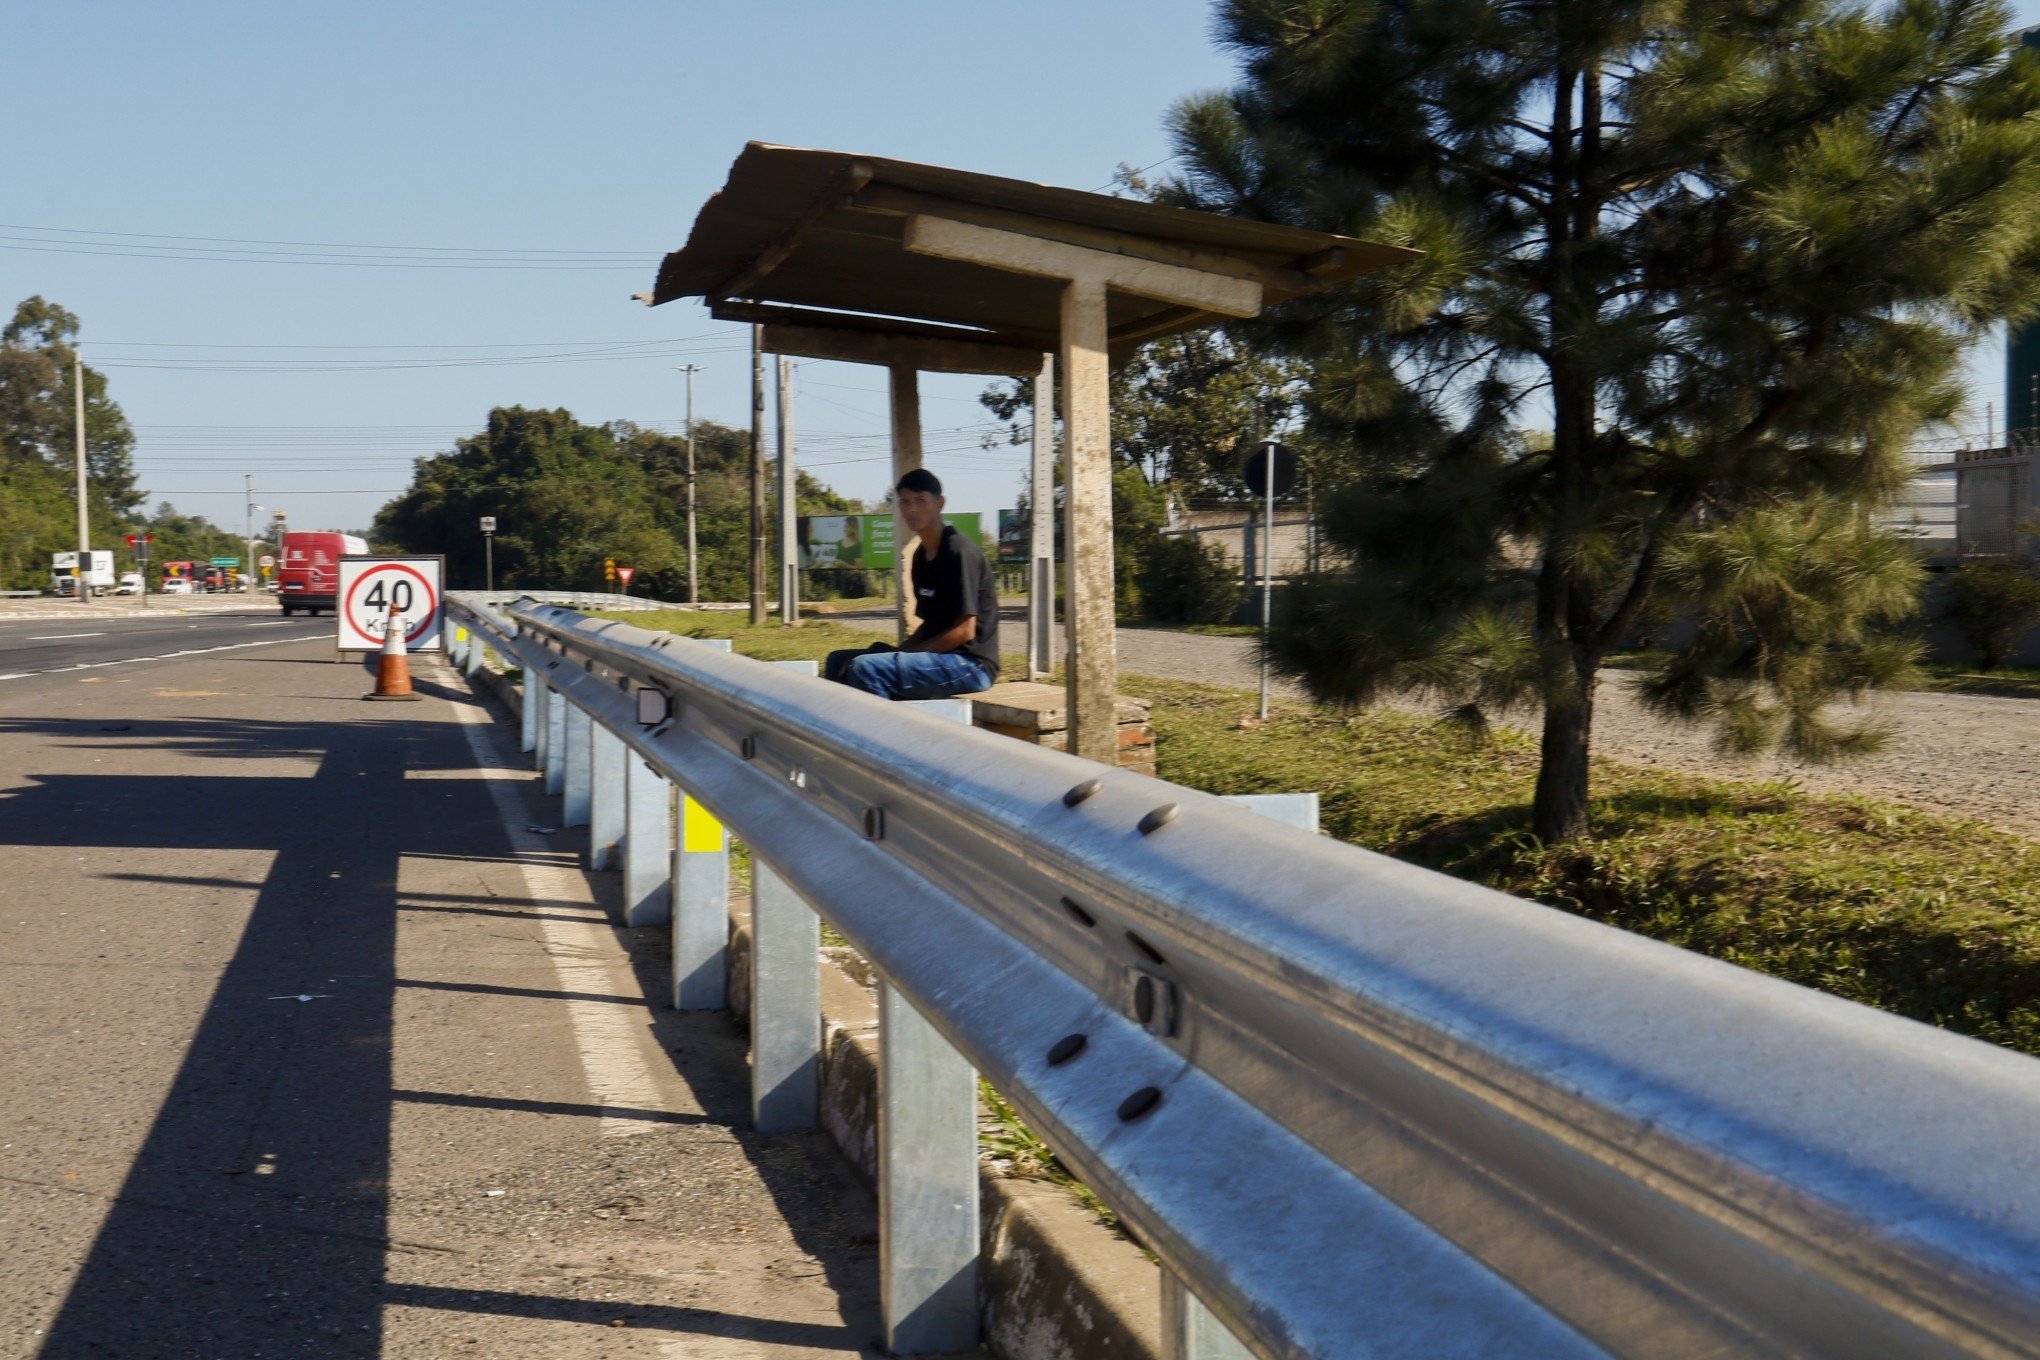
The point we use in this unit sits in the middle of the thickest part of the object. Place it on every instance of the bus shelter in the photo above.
(919, 267)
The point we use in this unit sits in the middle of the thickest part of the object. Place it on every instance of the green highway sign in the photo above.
(225, 562)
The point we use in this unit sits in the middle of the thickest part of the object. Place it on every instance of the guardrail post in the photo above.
(701, 910)
(1190, 1331)
(786, 1005)
(701, 901)
(533, 690)
(647, 843)
(473, 654)
(579, 773)
(786, 997)
(927, 1170)
(605, 796)
(556, 707)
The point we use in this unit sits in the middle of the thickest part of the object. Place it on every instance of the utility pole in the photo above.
(82, 573)
(693, 571)
(757, 476)
(789, 527)
(1041, 530)
(248, 534)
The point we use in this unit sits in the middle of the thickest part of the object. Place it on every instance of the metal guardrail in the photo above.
(576, 599)
(1354, 1107)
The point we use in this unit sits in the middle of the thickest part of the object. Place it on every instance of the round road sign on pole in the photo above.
(370, 586)
(1254, 471)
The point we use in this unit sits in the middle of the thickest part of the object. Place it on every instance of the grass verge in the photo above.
(1927, 916)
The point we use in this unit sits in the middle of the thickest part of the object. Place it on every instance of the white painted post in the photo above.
(701, 910)
(786, 997)
(579, 767)
(906, 456)
(927, 1171)
(1190, 1331)
(1091, 670)
(556, 706)
(533, 706)
(701, 902)
(1041, 549)
(605, 797)
(647, 843)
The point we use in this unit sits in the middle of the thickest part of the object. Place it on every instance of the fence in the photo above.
(1352, 1106)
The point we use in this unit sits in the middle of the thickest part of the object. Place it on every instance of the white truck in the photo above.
(98, 572)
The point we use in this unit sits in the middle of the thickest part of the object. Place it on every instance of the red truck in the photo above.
(308, 569)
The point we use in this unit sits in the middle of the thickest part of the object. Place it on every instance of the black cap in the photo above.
(920, 479)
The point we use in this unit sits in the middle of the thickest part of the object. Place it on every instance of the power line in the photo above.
(334, 245)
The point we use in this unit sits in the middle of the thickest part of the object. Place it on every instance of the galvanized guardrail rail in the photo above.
(1356, 1108)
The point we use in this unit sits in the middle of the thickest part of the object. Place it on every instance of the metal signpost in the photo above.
(489, 551)
(371, 586)
(1269, 470)
(139, 545)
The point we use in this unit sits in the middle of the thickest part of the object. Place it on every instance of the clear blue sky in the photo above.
(592, 127)
(592, 130)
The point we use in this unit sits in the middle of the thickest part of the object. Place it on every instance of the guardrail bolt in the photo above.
(1159, 818)
(1082, 791)
(1144, 999)
(1139, 1103)
(874, 824)
(1067, 1047)
(1084, 918)
(748, 748)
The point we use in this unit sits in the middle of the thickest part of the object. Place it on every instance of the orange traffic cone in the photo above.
(393, 667)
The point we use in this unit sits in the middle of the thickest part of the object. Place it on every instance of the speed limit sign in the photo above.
(370, 587)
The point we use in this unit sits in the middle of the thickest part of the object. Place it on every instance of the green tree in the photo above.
(38, 509)
(1731, 253)
(568, 495)
(1991, 604)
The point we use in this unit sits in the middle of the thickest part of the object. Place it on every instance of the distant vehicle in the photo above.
(176, 585)
(98, 572)
(130, 583)
(308, 577)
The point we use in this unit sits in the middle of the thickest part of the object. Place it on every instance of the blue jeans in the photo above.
(912, 675)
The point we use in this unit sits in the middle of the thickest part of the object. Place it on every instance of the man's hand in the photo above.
(964, 630)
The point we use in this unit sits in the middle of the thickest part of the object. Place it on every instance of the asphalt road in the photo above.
(321, 1044)
(31, 646)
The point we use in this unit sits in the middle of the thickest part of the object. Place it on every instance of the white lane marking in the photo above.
(59, 637)
(584, 954)
(267, 623)
(130, 660)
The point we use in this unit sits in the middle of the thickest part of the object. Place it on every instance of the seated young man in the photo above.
(956, 648)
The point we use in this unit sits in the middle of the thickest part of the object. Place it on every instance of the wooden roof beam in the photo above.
(886, 200)
(842, 185)
(1021, 253)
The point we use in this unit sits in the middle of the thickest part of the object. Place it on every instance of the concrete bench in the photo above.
(1040, 714)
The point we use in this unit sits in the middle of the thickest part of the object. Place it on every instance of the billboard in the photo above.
(863, 541)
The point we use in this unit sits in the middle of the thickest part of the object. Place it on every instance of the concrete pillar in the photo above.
(906, 456)
(556, 706)
(533, 707)
(1093, 671)
(1041, 540)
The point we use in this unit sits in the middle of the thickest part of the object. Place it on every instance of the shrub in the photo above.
(1185, 580)
(1991, 604)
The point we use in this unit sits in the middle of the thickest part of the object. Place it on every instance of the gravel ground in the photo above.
(1968, 754)
(1971, 755)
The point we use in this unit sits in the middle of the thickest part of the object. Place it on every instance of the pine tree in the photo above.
(1729, 251)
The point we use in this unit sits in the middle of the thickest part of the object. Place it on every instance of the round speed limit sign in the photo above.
(369, 587)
